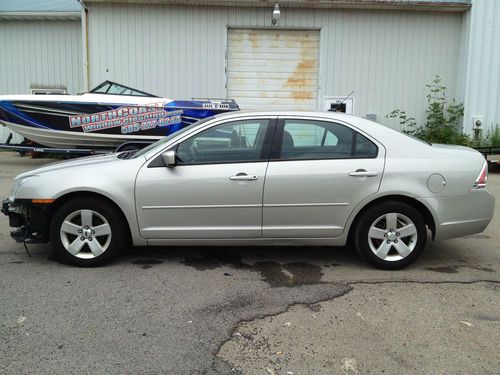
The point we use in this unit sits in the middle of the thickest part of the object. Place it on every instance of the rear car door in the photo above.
(319, 171)
(214, 191)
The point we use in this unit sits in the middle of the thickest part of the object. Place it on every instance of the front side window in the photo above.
(305, 139)
(233, 142)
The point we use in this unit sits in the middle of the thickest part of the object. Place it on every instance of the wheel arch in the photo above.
(416, 204)
(89, 194)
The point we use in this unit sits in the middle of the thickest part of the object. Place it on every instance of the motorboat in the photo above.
(105, 117)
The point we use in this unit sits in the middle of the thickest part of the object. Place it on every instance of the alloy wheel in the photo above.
(392, 237)
(86, 234)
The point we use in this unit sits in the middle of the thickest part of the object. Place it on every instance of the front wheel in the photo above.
(391, 235)
(87, 232)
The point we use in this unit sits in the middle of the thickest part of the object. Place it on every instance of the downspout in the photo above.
(85, 43)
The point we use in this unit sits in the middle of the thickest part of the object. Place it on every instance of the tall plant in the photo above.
(495, 137)
(443, 120)
(490, 139)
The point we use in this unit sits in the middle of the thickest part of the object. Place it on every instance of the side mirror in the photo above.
(169, 158)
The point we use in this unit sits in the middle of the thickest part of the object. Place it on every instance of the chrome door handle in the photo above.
(363, 173)
(243, 177)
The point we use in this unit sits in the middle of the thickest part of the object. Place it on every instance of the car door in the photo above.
(214, 190)
(318, 172)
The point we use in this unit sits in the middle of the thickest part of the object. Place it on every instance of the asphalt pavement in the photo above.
(249, 310)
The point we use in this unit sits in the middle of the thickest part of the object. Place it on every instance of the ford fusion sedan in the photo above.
(259, 178)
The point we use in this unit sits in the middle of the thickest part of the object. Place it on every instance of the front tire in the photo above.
(87, 232)
(391, 235)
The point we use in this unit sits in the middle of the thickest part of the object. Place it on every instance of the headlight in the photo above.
(18, 183)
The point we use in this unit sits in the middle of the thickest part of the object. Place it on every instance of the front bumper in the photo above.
(30, 221)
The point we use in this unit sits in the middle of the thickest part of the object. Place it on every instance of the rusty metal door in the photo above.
(273, 69)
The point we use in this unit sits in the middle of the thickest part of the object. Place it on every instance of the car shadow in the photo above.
(277, 266)
(212, 256)
(306, 261)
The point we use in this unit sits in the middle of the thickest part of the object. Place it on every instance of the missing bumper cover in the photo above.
(30, 221)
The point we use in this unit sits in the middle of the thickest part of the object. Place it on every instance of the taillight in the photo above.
(482, 179)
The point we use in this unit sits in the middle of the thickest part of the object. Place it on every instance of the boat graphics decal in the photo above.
(153, 119)
(130, 119)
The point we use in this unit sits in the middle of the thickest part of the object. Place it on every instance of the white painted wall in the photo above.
(43, 53)
(386, 57)
(482, 70)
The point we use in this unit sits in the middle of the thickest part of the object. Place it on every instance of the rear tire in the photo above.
(87, 232)
(390, 235)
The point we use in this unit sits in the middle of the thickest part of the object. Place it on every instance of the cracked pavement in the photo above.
(249, 310)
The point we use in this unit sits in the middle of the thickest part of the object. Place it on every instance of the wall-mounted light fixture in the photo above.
(276, 14)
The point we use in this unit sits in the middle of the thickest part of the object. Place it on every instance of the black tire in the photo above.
(100, 209)
(372, 217)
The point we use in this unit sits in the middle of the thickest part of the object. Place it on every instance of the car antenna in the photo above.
(343, 100)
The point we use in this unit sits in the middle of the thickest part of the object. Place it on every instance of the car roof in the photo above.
(332, 115)
(403, 145)
(382, 133)
(358, 122)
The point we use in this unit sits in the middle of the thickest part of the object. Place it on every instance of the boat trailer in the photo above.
(24, 148)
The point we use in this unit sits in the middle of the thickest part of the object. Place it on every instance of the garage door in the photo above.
(273, 69)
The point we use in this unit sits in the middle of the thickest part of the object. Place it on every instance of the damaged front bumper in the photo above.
(30, 221)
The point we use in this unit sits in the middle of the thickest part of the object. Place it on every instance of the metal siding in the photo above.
(386, 57)
(482, 76)
(273, 69)
(39, 5)
(42, 53)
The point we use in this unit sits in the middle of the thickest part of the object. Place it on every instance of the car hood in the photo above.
(80, 162)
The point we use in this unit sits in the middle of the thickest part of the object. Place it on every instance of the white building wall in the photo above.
(482, 70)
(45, 53)
(385, 57)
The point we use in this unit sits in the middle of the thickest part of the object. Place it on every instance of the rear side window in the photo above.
(364, 147)
(305, 139)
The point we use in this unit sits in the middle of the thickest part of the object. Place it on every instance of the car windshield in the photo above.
(168, 138)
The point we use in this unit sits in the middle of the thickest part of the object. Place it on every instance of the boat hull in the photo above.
(68, 139)
(72, 124)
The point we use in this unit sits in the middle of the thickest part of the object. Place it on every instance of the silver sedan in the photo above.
(259, 178)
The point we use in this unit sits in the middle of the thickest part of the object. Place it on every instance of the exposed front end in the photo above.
(29, 220)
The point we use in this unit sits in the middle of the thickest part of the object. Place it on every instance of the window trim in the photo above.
(278, 139)
(265, 152)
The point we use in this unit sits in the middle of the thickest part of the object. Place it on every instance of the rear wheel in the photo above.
(391, 235)
(87, 232)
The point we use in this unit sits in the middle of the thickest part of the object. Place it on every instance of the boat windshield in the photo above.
(113, 88)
